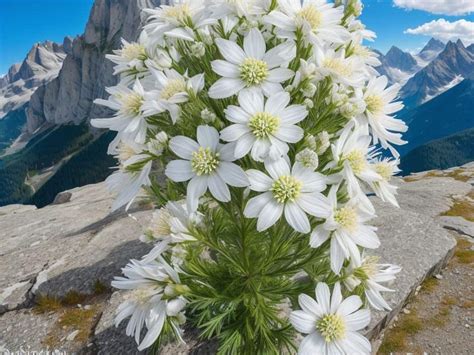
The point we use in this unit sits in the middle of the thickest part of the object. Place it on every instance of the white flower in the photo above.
(308, 158)
(146, 306)
(207, 164)
(129, 118)
(351, 151)
(323, 142)
(158, 144)
(240, 8)
(342, 69)
(347, 229)
(264, 128)
(379, 107)
(172, 89)
(293, 193)
(176, 21)
(386, 168)
(370, 274)
(332, 324)
(252, 66)
(318, 20)
(172, 223)
(128, 183)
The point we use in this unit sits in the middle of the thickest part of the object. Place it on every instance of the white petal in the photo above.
(349, 305)
(232, 174)
(270, 214)
(208, 137)
(254, 44)
(302, 321)
(337, 256)
(319, 236)
(230, 51)
(280, 75)
(293, 114)
(196, 188)
(179, 170)
(277, 168)
(270, 88)
(218, 188)
(260, 149)
(312, 344)
(259, 181)
(225, 69)
(315, 204)
(323, 296)
(366, 238)
(276, 103)
(290, 134)
(309, 305)
(235, 114)
(244, 145)
(358, 320)
(336, 297)
(251, 100)
(255, 205)
(296, 218)
(153, 332)
(226, 152)
(234, 132)
(358, 343)
(225, 87)
(183, 147)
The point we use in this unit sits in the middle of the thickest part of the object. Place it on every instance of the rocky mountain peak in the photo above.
(431, 50)
(396, 58)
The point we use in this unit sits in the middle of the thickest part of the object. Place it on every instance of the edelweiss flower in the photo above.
(129, 118)
(176, 21)
(369, 274)
(386, 168)
(156, 296)
(318, 20)
(127, 183)
(346, 228)
(207, 164)
(342, 69)
(294, 193)
(171, 223)
(251, 67)
(172, 89)
(332, 324)
(263, 128)
(351, 152)
(378, 99)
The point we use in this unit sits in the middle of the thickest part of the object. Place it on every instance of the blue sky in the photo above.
(25, 22)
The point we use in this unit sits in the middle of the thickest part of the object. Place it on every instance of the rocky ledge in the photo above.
(56, 263)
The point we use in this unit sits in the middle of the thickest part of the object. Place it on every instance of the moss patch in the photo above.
(45, 304)
(463, 253)
(462, 208)
(444, 311)
(396, 339)
(429, 285)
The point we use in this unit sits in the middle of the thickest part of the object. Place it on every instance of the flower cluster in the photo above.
(257, 127)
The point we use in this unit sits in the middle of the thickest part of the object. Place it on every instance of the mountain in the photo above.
(448, 113)
(398, 66)
(453, 64)
(432, 49)
(86, 72)
(454, 150)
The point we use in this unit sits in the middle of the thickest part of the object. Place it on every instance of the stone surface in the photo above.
(70, 246)
(458, 224)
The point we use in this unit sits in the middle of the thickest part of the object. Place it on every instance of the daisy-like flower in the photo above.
(379, 106)
(386, 168)
(318, 20)
(240, 8)
(251, 66)
(342, 69)
(347, 229)
(207, 164)
(129, 118)
(351, 151)
(156, 294)
(127, 183)
(172, 223)
(370, 274)
(332, 324)
(264, 128)
(176, 21)
(294, 193)
(172, 89)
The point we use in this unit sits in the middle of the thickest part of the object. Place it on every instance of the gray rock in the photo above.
(458, 224)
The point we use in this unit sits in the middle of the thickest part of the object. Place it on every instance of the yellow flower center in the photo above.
(384, 170)
(374, 104)
(346, 217)
(173, 87)
(368, 269)
(181, 13)
(311, 15)
(132, 51)
(161, 223)
(357, 161)
(125, 152)
(331, 327)
(204, 161)
(253, 71)
(142, 296)
(338, 66)
(132, 104)
(286, 188)
(263, 124)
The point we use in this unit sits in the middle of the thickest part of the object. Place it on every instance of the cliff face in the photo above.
(86, 72)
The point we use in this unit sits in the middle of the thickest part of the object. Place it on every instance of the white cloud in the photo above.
(446, 31)
(440, 7)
